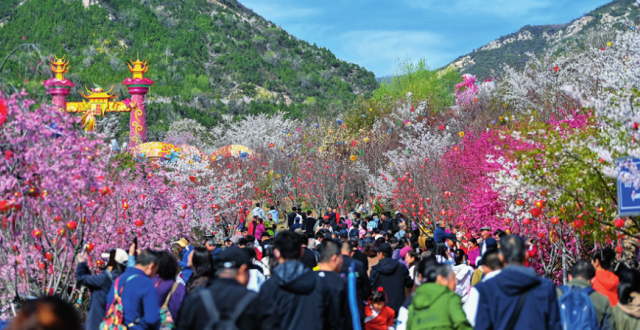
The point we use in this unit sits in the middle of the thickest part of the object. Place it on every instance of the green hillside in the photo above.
(207, 58)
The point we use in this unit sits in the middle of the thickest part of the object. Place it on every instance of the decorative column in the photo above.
(58, 86)
(138, 88)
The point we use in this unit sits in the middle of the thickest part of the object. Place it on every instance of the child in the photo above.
(378, 316)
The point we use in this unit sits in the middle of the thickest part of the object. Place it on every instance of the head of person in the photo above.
(228, 242)
(460, 257)
(211, 244)
(265, 236)
(294, 209)
(411, 258)
(309, 213)
(251, 252)
(440, 274)
(485, 232)
(182, 244)
(491, 261)
(378, 299)
(272, 207)
(583, 270)
(451, 240)
(117, 260)
(201, 261)
(441, 250)
(369, 250)
(473, 243)
(243, 242)
(629, 286)
(512, 250)
(499, 233)
(441, 224)
(430, 243)
(384, 251)
(330, 256)
(347, 248)
(148, 262)
(297, 220)
(257, 204)
(244, 232)
(50, 313)
(603, 258)
(270, 216)
(424, 263)
(287, 246)
(234, 264)
(167, 266)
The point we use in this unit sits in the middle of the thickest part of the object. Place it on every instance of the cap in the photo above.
(486, 228)
(121, 256)
(452, 237)
(232, 258)
(182, 242)
(384, 247)
(491, 243)
(397, 212)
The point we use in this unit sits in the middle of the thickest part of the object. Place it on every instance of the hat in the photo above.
(384, 248)
(121, 256)
(182, 242)
(298, 231)
(233, 258)
(452, 237)
(397, 212)
(227, 239)
(491, 243)
(486, 228)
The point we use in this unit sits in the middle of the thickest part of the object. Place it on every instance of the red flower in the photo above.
(3, 112)
(555, 69)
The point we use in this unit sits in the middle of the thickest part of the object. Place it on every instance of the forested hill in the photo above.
(207, 58)
(512, 49)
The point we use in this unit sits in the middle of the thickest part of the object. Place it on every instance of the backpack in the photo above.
(215, 322)
(166, 319)
(576, 309)
(114, 318)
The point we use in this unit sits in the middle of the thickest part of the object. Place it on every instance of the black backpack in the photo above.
(215, 322)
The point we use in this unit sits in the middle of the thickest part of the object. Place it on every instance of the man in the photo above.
(292, 216)
(242, 243)
(212, 247)
(265, 241)
(363, 286)
(358, 255)
(330, 265)
(582, 277)
(490, 268)
(139, 296)
(516, 289)
(309, 257)
(229, 296)
(439, 235)
(270, 225)
(384, 223)
(259, 212)
(244, 232)
(485, 232)
(302, 299)
(391, 275)
(309, 223)
(403, 230)
(451, 241)
(228, 242)
(184, 250)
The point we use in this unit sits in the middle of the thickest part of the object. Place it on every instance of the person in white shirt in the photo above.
(492, 267)
(258, 211)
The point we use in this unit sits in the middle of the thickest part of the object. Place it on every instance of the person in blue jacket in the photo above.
(138, 294)
(440, 235)
(99, 285)
(185, 251)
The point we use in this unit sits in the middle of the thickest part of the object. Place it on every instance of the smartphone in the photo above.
(135, 244)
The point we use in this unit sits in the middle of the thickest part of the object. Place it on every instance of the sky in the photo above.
(375, 33)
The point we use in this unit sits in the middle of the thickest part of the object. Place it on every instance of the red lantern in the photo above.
(72, 225)
(540, 235)
(139, 223)
(48, 256)
(619, 223)
(184, 206)
(555, 220)
(90, 247)
(507, 221)
(519, 202)
(539, 204)
(535, 212)
(526, 221)
(36, 233)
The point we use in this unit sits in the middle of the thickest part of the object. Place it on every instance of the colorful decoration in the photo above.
(233, 150)
(156, 150)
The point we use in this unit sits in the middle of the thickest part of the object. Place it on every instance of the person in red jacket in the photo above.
(377, 315)
(605, 282)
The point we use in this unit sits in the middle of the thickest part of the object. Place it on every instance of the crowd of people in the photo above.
(381, 272)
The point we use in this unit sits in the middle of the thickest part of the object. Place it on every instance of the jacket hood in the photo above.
(386, 266)
(295, 277)
(517, 279)
(461, 271)
(607, 279)
(427, 294)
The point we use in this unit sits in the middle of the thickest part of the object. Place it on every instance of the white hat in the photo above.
(121, 256)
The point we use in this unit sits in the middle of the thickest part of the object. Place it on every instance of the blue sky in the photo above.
(374, 33)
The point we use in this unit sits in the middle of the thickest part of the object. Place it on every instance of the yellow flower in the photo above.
(461, 134)
(370, 109)
(353, 158)
(366, 139)
(609, 43)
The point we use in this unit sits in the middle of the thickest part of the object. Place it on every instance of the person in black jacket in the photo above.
(363, 286)
(302, 299)
(292, 216)
(99, 285)
(390, 275)
(309, 223)
(358, 255)
(329, 269)
(225, 294)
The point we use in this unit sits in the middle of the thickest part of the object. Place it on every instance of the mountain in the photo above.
(207, 57)
(512, 49)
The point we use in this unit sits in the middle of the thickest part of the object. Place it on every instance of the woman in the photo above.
(260, 229)
(605, 281)
(165, 281)
(474, 252)
(627, 311)
(201, 262)
(412, 259)
(441, 254)
(51, 313)
(463, 273)
(435, 305)
(256, 276)
(99, 285)
(372, 256)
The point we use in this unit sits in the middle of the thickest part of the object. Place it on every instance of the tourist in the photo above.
(310, 223)
(274, 216)
(270, 224)
(439, 235)
(169, 291)
(47, 313)
(627, 311)
(378, 316)
(390, 275)
(291, 217)
(260, 229)
(485, 233)
(463, 274)
(184, 250)
(258, 212)
(256, 271)
(202, 264)
(363, 286)
(412, 259)
(331, 261)
(605, 281)
(213, 248)
(473, 252)
(490, 267)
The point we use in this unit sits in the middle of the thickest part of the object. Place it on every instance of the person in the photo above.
(260, 229)
(439, 235)
(492, 266)
(415, 229)
(372, 256)
(256, 273)
(516, 288)
(310, 223)
(363, 286)
(463, 273)
(627, 312)
(228, 243)
(581, 278)
(99, 284)
(358, 255)
(270, 224)
(403, 312)
(274, 216)
(213, 248)
(403, 229)
(297, 224)
(228, 296)
(265, 241)
(412, 259)
(451, 242)
(392, 276)
(331, 261)
(473, 252)
(138, 294)
(435, 305)
(378, 316)
(51, 313)
(184, 249)
(605, 281)
(442, 255)
(309, 257)
(292, 216)
(302, 299)
(485, 233)
(165, 283)
(259, 212)
(201, 262)
(252, 226)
